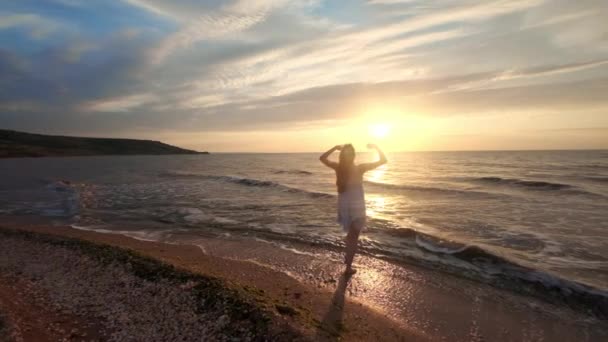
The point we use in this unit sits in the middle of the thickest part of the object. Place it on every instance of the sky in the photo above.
(305, 75)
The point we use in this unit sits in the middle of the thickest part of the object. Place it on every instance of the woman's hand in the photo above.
(370, 166)
(327, 162)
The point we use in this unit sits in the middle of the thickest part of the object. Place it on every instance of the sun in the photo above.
(379, 130)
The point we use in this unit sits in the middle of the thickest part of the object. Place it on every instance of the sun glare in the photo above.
(393, 127)
(379, 130)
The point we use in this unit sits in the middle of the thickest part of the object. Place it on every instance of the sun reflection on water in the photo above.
(375, 205)
(377, 176)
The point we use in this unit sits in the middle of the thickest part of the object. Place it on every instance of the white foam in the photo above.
(285, 247)
(296, 251)
(93, 229)
(225, 220)
(259, 263)
(151, 236)
(198, 218)
(438, 249)
(195, 215)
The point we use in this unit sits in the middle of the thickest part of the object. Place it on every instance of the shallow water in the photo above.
(530, 216)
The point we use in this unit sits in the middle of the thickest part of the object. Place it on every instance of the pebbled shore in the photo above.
(133, 297)
(4, 328)
(287, 294)
(71, 285)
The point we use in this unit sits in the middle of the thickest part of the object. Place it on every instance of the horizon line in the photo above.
(424, 151)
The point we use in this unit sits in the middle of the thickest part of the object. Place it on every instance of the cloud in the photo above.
(550, 70)
(38, 27)
(205, 21)
(572, 24)
(438, 16)
(60, 78)
(117, 104)
(577, 130)
(278, 64)
(329, 59)
(384, 2)
(559, 19)
(205, 28)
(334, 103)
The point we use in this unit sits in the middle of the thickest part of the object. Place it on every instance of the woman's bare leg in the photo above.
(351, 244)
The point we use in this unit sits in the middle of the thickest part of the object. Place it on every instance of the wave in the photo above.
(293, 172)
(484, 265)
(597, 179)
(466, 260)
(423, 189)
(195, 216)
(470, 261)
(425, 250)
(143, 235)
(595, 166)
(538, 282)
(440, 247)
(476, 263)
(540, 185)
(248, 182)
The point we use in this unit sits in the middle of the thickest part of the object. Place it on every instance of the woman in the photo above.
(351, 199)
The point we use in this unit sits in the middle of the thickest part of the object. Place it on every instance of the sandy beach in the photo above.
(287, 309)
(104, 286)
(304, 170)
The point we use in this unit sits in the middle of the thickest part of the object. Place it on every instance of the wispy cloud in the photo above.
(206, 27)
(560, 19)
(577, 130)
(199, 22)
(117, 104)
(243, 64)
(550, 70)
(37, 26)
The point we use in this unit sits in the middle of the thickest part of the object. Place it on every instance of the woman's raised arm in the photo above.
(327, 153)
(370, 166)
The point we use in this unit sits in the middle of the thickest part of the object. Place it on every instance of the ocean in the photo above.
(530, 217)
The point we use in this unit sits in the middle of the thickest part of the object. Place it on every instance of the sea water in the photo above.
(534, 216)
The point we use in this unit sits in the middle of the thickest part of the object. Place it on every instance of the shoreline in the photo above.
(382, 301)
(284, 302)
(7, 157)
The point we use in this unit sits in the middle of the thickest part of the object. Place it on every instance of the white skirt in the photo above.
(351, 207)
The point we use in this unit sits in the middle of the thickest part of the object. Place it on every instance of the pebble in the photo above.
(126, 306)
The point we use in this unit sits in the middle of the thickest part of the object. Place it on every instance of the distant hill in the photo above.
(20, 144)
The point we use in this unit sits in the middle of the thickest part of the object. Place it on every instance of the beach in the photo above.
(379, 170)
(284, 304)
(288, 296)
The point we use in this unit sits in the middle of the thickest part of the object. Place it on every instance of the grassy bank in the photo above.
(21, 144)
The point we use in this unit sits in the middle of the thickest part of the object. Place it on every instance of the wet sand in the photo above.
(383, 301)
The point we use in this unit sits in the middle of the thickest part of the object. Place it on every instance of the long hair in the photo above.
(347, 162)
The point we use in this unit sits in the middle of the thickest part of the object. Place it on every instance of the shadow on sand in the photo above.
(331, 326)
